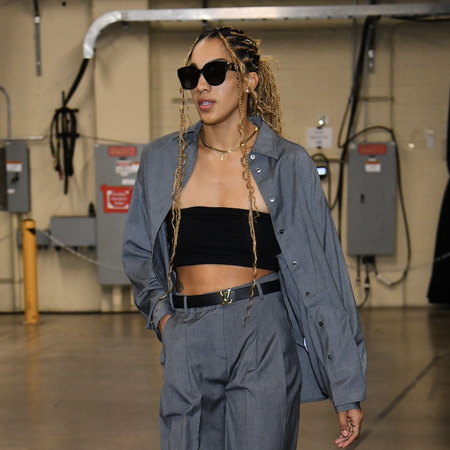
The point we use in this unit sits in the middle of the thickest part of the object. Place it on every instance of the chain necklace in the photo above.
(222, 153)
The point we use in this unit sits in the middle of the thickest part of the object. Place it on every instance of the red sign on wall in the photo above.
(122, 151)
(116, 199)
(372, 149)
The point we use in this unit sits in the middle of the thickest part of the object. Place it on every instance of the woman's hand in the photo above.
(162, 323)
(350, 425)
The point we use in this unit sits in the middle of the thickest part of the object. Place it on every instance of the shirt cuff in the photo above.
(347, 407)
(159, 312)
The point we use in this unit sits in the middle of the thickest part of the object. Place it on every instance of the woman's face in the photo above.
(216, 104)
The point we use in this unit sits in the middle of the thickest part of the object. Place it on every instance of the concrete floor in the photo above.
(91, 382)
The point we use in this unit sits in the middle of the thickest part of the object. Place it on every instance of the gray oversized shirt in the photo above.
(315, 283)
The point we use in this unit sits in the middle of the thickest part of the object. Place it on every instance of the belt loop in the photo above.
(259, 291)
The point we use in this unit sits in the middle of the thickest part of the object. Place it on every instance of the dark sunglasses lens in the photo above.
(189, 77)
(215, 72)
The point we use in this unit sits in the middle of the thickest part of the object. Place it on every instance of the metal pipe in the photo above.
(37, 38)
(23, 138)
(259, 13)
(30, 271)
(8, 111)
(14, 219)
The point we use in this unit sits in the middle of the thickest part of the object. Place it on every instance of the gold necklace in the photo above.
(222, 153)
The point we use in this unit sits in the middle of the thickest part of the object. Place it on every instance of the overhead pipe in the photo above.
(259, 13)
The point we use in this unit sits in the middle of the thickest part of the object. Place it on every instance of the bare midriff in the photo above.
(204, 278)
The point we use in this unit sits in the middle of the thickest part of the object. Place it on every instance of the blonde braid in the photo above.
(179, 176)
(265, 100)
(240, 69)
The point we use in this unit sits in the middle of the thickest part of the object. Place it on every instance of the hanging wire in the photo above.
(60, 244)
(63, 133)
(37, 37)
(349, 117)
(8, 111)
(320, 158)
(6, 237)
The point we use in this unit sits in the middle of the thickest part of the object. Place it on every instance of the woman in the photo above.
(235, 262)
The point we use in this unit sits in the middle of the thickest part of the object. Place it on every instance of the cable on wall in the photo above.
(349, 119)
(37, 37)
(8, 111)
(59, 244)
(320, 158)
(351, 111)
(63, 132)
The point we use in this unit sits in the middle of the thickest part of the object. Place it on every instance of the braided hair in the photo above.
(264, 100)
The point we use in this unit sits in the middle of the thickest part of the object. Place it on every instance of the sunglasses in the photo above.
(214, 73)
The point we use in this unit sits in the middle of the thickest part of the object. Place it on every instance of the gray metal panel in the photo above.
(258, 13)
(3, 195)
(18, 177)
(42, 241)
(115, 174)
(73, 231)
(372, 186)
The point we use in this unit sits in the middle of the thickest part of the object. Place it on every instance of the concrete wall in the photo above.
(130, 92)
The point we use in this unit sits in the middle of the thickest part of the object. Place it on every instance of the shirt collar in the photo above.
(266, 140)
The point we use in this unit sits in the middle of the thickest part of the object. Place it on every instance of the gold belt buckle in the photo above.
(226, 300)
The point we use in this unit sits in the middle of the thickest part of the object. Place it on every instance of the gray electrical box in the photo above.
(372, 188)
(73, 231)
(3, 194)
(18, 177)
(115, 172)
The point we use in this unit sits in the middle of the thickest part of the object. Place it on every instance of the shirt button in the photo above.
(330, 357)
(294, 263)
(271, 199)
(320, 324)
(281, 231)
(308, 294)
(252, 156)
(258, 170)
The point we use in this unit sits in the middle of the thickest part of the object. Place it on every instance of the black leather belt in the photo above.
(224, 297)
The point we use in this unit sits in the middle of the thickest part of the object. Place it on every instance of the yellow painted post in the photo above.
(30, 271)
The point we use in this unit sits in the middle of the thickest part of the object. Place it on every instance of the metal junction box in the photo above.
(3, 194)
(372, 187)
(115, 173)
(18, 177)
(73, 231)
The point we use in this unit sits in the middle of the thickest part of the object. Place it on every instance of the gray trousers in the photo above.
(230, 386)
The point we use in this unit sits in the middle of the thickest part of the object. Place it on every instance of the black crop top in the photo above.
(213, 235)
